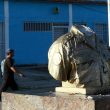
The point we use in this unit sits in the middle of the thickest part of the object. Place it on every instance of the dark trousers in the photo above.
(8, 82)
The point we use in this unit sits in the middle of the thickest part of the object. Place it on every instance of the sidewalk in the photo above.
(37, 80)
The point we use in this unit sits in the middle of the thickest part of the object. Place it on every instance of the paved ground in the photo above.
(36, 80)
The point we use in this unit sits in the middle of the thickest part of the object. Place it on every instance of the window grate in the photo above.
(80, 23)
(59, 31)
(37, 26)
(101, 31)
(60, 24)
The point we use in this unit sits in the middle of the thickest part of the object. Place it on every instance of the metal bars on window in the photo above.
(80, 23)
(59, 31)
(101, 31)
(33, 26)
(37, 26)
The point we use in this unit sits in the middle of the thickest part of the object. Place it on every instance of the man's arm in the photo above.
(13, 69)
(10, 64)
(16, 71)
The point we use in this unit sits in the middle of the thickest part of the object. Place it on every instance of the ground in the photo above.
(36, 80)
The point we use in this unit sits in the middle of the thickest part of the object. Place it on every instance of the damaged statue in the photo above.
(80, 58)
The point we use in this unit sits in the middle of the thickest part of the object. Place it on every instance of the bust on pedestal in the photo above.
(81, 61)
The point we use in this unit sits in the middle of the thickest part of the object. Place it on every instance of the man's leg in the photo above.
(13, 85)
(3, 87)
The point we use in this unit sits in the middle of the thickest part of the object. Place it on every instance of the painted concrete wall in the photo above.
(32, 47)
(90, 14)
(1, 11)
(2, 25)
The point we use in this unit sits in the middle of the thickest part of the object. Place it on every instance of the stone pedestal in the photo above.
(46, 101)
(54, 101)
(71, 88)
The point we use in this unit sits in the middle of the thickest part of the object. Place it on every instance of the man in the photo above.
(9, 71)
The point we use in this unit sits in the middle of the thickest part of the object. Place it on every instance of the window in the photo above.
(59, 29)
(60, 24)
(37, 26)
(101, 31)
(80, 23)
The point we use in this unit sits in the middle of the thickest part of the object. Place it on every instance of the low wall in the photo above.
(46, 101)
(54, 101)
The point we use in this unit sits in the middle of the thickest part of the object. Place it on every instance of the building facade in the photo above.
(31, 26)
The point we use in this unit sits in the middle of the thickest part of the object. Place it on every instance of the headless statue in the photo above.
(80, 58)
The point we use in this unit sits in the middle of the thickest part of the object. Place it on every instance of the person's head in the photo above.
(10, 53)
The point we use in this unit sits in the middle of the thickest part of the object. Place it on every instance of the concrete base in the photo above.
(71, 88)
(75, 90)
(54, 101)
(46, 101)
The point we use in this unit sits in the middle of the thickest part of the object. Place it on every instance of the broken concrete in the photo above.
(54, 101)
(46, 101)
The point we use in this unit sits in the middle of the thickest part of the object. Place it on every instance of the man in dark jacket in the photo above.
(9, 71)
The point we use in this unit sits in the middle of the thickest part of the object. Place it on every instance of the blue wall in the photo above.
(32, 47)
(1, 11)
(90, 13)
